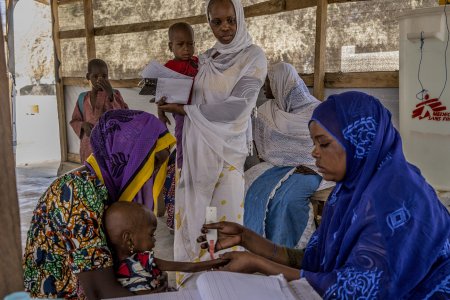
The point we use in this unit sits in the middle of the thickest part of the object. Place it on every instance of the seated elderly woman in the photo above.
(66, 254)
(277, 203)
(384, 233)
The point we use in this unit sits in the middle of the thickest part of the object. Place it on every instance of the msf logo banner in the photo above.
(431, 109)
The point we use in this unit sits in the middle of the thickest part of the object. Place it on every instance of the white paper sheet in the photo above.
(175, 90)
(180, 295)
(231, 286)
(303, 290)
(174, 86)
(155, 70)
(227, 286)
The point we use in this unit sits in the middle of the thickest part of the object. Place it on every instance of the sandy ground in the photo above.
(33, 180)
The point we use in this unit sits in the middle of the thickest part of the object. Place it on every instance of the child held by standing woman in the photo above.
(182, 45)
(92, 104)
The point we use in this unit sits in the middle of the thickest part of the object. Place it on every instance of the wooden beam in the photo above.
(332, 80)
(308, 79)
(75, 158)
(362, 80)
(120, 83)
(265, 8)
(343, 1)
(320, 49)
(295, 4)
(59, 84)
(45, 2)
(11, 274)
(72, 34)
(147, 26)
(260, 9)
(89, 26)
(75, 81)
(65, 2)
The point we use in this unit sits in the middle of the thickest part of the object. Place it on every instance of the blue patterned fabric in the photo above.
(442, 290)
(283, 218)
(384, 233)
(350, 282)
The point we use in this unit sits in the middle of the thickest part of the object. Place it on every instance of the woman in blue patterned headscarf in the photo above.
(384, 233)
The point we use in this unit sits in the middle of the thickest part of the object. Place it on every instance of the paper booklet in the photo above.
(160, 81)
(231, 286)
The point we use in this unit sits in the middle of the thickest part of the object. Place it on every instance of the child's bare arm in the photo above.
(77, 122)
(189, 267)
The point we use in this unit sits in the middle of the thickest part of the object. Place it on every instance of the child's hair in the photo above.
(123, 216)
(96, 62)
(182, 26)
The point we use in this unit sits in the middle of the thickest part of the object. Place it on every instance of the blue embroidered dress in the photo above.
(384, 233)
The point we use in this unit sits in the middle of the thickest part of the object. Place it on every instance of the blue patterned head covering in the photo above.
(384, 233)
(362, 125)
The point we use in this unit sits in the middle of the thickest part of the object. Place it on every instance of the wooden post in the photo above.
(89, 25)
(11, 61)
(59, 84)
(11, 274)
(321, 45)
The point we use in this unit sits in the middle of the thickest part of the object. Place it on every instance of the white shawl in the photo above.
(216, 127)
(282, 135)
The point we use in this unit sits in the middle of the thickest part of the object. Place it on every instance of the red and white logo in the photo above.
(431, 109)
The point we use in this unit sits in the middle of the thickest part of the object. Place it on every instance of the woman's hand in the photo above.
(171, 107)
(162, 117)
(232, 234)
(241, 262)
(229, 235)
(246, 262)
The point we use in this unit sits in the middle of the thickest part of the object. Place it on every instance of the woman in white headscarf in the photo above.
(217, 128)
(277, 202)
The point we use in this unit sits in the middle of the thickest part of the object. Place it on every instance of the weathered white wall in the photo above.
(33, 43)
(388, 96)
(38, 134)
(371, 27)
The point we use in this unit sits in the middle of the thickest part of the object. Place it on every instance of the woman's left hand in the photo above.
(171, 107)
(241, 262)
(247, 262)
